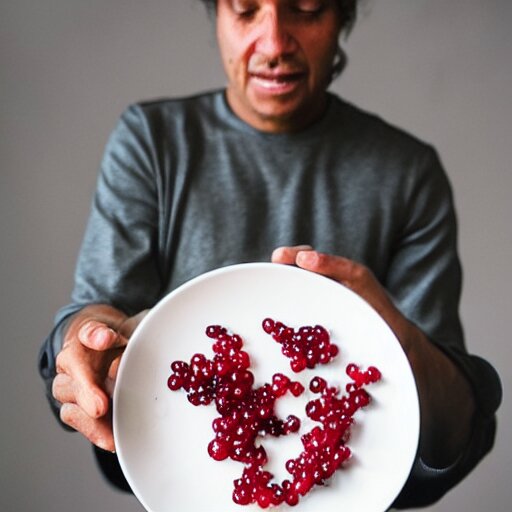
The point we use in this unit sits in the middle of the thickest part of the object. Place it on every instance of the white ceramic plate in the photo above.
(162, 439)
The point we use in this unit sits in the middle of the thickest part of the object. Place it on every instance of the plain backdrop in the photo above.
(441, 70)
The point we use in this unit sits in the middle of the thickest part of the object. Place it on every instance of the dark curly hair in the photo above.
(348, 8)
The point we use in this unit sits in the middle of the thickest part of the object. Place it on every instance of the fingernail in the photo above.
(99, 336)
(98, 406)
(307, 259)
(102, 336)
(304, 256)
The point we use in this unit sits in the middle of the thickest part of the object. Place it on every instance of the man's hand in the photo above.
(446, 400)
(354, 276)
(87, 367)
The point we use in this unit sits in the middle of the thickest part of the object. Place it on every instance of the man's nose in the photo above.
(275, 37)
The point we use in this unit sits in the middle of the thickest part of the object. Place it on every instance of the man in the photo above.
(276, 165)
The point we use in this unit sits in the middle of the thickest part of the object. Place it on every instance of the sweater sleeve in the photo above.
(118, 262)
(424, 279)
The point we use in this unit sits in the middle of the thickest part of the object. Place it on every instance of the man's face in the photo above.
(278, 56)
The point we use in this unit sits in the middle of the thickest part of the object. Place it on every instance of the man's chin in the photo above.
(275, 113)
(286, 117)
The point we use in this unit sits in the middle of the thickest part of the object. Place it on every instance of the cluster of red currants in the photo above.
(305, 347)
(248, 412)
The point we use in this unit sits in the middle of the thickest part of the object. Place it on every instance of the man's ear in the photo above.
(340, 62)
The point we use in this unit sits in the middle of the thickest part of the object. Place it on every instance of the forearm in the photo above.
(447, 402)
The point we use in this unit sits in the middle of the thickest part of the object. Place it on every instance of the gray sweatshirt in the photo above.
(186, 186)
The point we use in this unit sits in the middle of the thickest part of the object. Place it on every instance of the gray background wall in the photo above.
(67, 69)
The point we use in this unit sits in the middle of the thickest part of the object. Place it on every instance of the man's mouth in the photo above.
(277, 83)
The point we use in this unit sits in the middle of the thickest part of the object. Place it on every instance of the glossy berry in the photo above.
(317, 385)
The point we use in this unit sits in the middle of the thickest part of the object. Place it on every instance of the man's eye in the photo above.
(244, 9)
(246, 14)
(309, 7)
